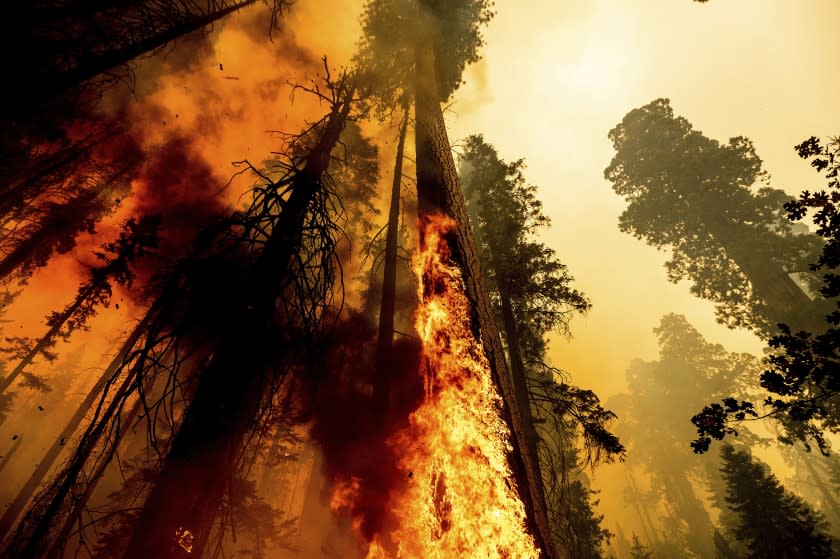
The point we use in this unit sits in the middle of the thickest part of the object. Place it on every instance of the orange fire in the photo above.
(459, 498)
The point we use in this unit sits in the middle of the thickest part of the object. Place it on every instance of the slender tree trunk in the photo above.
(38, 537)
(26, 186)
(519, 379)
(439, 191)
(80, 501)
(200, 463)
(48, 338)
(385, 341)
(47, 462)
(644, 515)
(5, 461)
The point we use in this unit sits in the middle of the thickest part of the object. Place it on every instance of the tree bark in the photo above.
(191, 485)
(519, 380)
(385, 340)
(786, 301)
(46, 463)
(439, 191)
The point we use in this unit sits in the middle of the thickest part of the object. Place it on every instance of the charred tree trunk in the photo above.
(191, 485)
(439, 191)
(29, 182)
(80, 501)
(385, 340)
(46, 463)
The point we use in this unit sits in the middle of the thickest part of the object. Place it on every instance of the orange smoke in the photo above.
(459, 498)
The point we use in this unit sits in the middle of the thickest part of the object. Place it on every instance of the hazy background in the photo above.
(557, 76)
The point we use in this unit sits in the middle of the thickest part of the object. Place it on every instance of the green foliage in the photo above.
(392, 30)
(506, 217)
(803, 378)
(695, 196)
(774, 523)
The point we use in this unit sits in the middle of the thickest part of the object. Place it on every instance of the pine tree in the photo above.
(773, 523)
(638, 551)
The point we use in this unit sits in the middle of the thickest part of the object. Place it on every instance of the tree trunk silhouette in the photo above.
(519, 380)
(5, 461)
(48, 339)
(191, 484)
(439, 191)
(29, 544)
(80, 501)
(385, 340)
(154, 35)
(45, 464)
(644, 515)
(60, 225)
(29, 181)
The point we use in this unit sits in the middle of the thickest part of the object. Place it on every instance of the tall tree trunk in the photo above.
(439, 191)
(519, 379)
(6, 459)
(191, 485)
(28, 182)
(786, 301)
(61, 224)
(80, 501)
(48, 339)
(47, 462)
(385, 340)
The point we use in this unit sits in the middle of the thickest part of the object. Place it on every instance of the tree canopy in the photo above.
(774, 523)
(728, 235)
(392, 30)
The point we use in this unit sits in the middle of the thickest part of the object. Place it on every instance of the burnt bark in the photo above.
(385, 340)
(191, 485)
(439, 191)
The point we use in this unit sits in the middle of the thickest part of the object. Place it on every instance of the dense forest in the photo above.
(386, 279)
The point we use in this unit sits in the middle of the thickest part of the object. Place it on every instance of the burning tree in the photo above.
(422, 48)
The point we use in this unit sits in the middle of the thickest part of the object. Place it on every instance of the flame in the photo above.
(459, 498)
